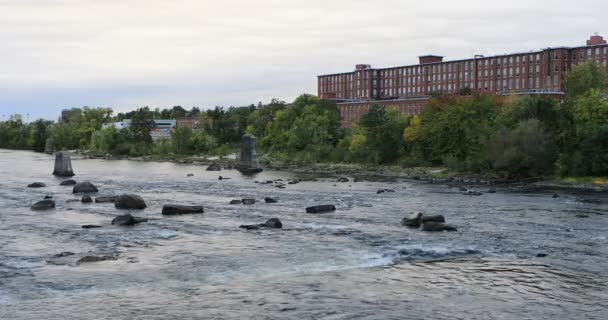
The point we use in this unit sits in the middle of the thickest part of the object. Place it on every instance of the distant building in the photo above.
(118, 125)
(409, 88)
(163, 129)
(188, 122)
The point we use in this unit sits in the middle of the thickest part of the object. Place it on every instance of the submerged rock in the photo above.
(492, 191)
(91, 226)
(48, 197)
(555, 196)
(36, 185)
(433, 218)
(248, 201)
(43, 205)
(412, 221)
(273, 223)
(342, 180)
(432, 226)
(271, 200)
(86, 199)
(129, 201)
(86, 259)
(69, 182)
(127, 220)
(190, 175)
(106, 199)
(84, 187)
(321, 208)
(236, 201)
(214, 167)
(175, 209)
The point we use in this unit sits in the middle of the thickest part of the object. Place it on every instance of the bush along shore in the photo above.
(494, 139)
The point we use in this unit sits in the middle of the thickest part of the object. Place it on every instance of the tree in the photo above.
(526, 150)
(585, 77)
(382, 130)
(585, 151)
(40, 134)
(182, 140)
(142, 124)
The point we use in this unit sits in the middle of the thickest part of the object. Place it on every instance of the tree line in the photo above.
(513, 136)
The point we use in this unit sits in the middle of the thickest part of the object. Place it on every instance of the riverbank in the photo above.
(359, 172)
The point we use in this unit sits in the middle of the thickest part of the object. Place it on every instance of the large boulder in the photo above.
(84, 187)
(43, 205)
(321, 208)
(69, 182)
(175, 209)
(129, 201)
(127, 220)
(432, 226)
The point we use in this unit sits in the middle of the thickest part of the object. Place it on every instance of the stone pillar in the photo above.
(63, 164)
(249, 157)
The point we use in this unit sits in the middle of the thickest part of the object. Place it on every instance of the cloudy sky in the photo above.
(123, 54)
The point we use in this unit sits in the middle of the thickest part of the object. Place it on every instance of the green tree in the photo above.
(40, 134)
(526, 150)
(182, 141)
(585, 77)
(382, 129)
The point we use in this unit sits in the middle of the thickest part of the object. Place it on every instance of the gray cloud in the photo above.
(129, 53)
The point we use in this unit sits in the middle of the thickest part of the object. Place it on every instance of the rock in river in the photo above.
(412, 221)
(69, 182)
(86, 199)
(129, 201)
(214, 167)
(432, 226)
(271, 200)
(273, 223)
(127, 220)
(175, 209)
(84, 187)
(248, 201)
(321, 208)
(36, 185)
(43, 205)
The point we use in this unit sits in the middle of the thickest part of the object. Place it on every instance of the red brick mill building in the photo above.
(409, 88)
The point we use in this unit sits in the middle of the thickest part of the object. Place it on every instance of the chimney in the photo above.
(430, 59)
(362, 66)
(596, 40)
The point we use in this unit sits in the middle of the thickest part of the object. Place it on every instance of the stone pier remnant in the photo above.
(249, 158)
(63, 164)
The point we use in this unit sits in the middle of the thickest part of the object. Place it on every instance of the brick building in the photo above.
(188, 122)
(409, 87)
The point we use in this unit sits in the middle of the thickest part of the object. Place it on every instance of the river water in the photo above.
(354, 263)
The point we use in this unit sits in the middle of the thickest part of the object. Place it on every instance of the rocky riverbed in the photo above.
(516, 254)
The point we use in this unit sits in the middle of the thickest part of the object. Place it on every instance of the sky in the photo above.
(125, 54)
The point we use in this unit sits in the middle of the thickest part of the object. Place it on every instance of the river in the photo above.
(355, 263)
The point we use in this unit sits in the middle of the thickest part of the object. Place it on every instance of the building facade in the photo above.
(188, 122)
(409, 87)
